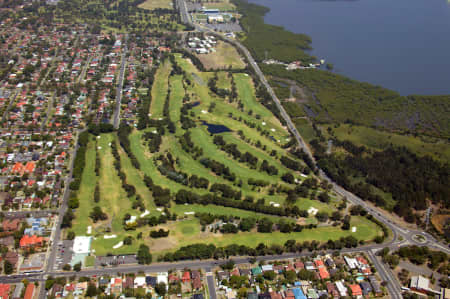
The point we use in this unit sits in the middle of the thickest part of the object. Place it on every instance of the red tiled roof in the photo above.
(29, 291)
(17, 167)
(30, 241)
(324, 273)
(4, 290)
(356, 290)
(186, 276)
(318, 263)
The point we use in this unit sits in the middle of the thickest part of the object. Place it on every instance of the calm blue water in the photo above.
(403, 45)
(216, 129)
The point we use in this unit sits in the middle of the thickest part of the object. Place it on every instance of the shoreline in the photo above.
(262, 11)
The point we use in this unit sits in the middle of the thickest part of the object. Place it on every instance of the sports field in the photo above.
(154, 4)
(225, 55)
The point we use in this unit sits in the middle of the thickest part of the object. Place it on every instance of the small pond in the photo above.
(216, 129)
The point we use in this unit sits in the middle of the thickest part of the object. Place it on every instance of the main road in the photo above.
(120, 86)
(393, 286)
(56, 232)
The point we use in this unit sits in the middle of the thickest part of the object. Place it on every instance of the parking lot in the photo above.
(225, 27)
(64, 254)
(115, 260)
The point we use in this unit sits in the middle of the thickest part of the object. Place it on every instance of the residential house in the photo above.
(140, 282)
(116, 285)
(31, 241)
(12, 257)
(245, 272)
(195, 274)
(221, 275)
(128, 282)
(7, 241)
(29, 291)
(11, 225)
(197, 283)
(173, 278)
(299, 265)
(323, 273)
(332, 290)
(356, 290)
(4, 290)
(366, 288)
(266, 268)
(186, 277)
(341, 288)
(150, 281)
(375, 286)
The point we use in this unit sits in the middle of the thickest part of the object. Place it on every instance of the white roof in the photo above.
(341, 288)
(420, 282)
(139, 281)
(267, 267)
(162, 277)
(351, 262)
(82, 244)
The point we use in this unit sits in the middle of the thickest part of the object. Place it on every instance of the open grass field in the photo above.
(154, 4)
(225, 5)
(224, 56)
(376, 139)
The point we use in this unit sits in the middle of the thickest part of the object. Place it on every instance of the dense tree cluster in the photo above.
(185, 196)
(219, 169)
(123, 133)
(188, 145)
(154, 141)
(207, 251)
(80, 160)
(161, 233)
(412, 180)
(97, 214)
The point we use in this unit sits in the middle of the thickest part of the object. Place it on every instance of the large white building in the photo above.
(82, 245)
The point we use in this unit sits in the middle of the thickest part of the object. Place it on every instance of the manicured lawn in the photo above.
(89, 261)
(136, 179)
(86, 193)
(176, 98)
(306, 203)
(154, 4)
(218, 210)
(224, 56)
(159, 90)
(187, 232)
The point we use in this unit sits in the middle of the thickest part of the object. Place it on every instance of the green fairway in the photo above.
(187, 232)
(159, 90)
(254, 131)
(176, 98)
(86, 193)
(135, 179)
(218, 210)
